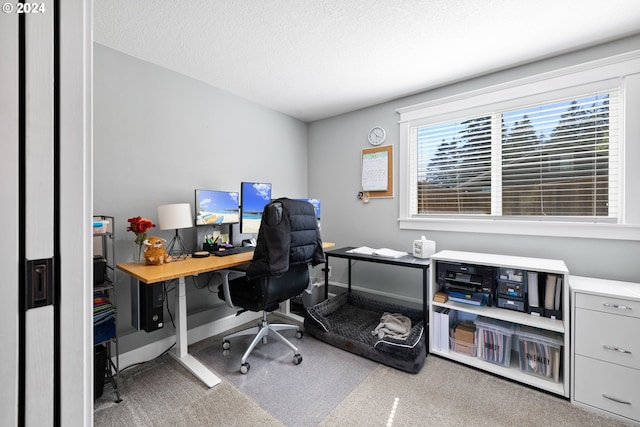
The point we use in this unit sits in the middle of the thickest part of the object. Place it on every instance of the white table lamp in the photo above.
(175, 216)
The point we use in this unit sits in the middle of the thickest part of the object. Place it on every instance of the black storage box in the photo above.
(99, 369)
(99, 269)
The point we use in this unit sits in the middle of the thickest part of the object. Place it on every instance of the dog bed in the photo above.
(347, 320)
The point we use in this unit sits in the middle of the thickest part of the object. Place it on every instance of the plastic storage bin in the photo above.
(463, 338)
(540, 352)
(494, 338)
(463, 347)
(100, 227)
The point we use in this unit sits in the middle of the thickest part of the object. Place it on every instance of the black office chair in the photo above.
(288, 242)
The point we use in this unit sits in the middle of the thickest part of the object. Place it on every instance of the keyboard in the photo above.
(234, 250)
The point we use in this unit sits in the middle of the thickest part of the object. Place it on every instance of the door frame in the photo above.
(74, 108)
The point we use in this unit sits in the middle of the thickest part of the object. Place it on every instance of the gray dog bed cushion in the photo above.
(347, 320)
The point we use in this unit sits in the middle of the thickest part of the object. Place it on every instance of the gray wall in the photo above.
(159, 135)
(334, 177)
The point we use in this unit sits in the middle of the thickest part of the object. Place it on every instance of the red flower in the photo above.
(140, 226)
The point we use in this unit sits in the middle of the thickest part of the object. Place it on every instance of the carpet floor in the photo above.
(162, 393)
(331, 387)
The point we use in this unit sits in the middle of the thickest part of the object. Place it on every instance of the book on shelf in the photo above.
(550, 292)
(435, 340)
(558, 298)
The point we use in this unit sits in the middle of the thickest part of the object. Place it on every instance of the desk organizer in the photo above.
(347, 320)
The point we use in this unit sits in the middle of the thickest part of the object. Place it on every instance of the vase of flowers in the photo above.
(139, 226)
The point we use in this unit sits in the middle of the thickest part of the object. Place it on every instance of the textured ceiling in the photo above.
(313, 59)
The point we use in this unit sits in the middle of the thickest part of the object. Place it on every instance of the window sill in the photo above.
(526, 228)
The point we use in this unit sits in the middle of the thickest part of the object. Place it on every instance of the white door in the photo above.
(44, 262)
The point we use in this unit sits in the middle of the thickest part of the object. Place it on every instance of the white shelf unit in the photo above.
(513, 372)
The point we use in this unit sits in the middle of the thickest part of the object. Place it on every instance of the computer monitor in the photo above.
(316, 205)
(254, 196)
(217, 207)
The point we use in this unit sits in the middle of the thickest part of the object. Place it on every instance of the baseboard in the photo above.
(156, 348)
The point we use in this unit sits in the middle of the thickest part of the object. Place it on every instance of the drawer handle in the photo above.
(619, 350)
(621, 307)
(624, 402)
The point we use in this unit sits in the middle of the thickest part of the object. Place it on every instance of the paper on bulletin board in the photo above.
(375, 170)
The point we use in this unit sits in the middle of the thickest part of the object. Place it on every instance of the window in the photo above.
(552, 154)
(544, 161)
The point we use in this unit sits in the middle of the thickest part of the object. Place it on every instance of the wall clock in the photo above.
(377, 135)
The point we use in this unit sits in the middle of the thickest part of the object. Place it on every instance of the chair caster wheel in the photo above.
(297, 359)
(226, 345)
(244, 368)
(299, 334)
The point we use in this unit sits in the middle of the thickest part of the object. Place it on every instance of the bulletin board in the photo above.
(377, 171)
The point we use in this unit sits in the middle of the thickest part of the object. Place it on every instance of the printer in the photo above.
(466, 279)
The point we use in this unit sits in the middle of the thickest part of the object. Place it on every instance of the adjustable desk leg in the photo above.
(180, 352)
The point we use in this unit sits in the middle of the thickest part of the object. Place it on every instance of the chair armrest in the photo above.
(224, 274)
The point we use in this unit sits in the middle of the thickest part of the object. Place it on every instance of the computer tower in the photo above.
(146, 305)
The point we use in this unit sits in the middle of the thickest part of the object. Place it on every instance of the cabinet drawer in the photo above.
(607, 337)
(608, 304)
(607, 386)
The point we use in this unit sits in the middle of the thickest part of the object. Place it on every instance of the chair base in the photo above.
(261, 332)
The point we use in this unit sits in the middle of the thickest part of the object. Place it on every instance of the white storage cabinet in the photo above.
(606, 346)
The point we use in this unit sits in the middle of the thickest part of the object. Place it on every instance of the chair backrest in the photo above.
(267, 292)
(288, 235)
(281, 288)
(288, 241)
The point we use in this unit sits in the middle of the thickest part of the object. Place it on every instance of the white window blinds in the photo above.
(551, 160)
(454, 167)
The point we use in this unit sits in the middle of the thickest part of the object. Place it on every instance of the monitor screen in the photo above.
(316, 205)
(217, 207)
(254, 197)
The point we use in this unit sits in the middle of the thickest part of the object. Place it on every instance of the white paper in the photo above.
(362, 250)
(550, 292)
(389, 253)
(532, 286)
(375, 169)
(382, 252)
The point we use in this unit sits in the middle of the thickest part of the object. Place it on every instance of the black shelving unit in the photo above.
(106, 355)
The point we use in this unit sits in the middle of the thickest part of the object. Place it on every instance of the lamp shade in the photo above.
(174, 216)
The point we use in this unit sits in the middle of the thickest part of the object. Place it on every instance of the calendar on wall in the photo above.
(377, 171)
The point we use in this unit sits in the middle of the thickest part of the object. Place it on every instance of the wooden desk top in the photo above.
(189, 267)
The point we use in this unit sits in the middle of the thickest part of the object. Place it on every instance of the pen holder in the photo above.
(209, 248)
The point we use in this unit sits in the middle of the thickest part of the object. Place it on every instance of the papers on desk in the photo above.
(382, 252)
